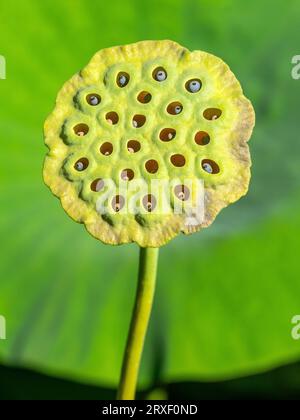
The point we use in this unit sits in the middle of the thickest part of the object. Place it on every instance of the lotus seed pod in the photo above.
(147, 141)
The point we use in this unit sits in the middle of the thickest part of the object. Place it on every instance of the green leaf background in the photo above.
(226, 295)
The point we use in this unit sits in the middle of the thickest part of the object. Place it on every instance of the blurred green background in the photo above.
(225, 296)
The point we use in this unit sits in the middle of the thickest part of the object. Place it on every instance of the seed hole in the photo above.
(210, 166)
(81, 164)
(212, 113)
(112, 118)
(202, 138)
(133, 146)
(138, 121)
(151, 166)
(81, 130)
(127, 174)
(182, 192)
(122, 79)
(118, 203)
(167, 134)
(159, 74)
(193, 85)
(178, 160)
(149, 202)
(106, 148)
(144, 97)
(93, 99)
(97, 185)
(174, 108)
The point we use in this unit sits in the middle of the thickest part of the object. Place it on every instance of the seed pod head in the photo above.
(147, 141)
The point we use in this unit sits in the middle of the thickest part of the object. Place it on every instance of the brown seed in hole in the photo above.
(149, 202)
(106, 148)
(212, 113)
(127, 174)
(210, 166)
(178, 160)
(167, 134)
(182, 192)
(202, 138)
(118, 203)
(174, 108)
(112, 118)
(81, 129)
(138, 121)
(97, 185)
(151, 166)
(81, 164)
(144, 97)
(93, 99)
(133, 146)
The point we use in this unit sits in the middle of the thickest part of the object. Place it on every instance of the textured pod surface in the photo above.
(141, 113)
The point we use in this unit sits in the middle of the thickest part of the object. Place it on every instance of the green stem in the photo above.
(139, 323)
